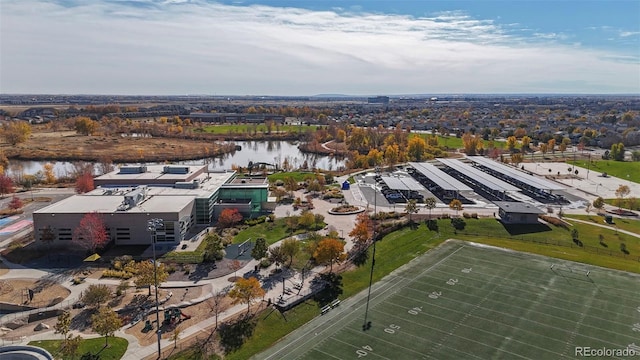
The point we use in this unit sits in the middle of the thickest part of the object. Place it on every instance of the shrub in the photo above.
(474, 215)
(458, 223)
(432, 225)
(466, 215)
(623, 248)
(119, 274)
(265, 263)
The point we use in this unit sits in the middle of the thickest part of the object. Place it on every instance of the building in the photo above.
(517, 212)
(378, 100)
(187, 198)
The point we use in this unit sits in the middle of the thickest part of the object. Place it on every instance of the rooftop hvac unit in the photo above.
(133, 169)
(175, 169)
(187, 184)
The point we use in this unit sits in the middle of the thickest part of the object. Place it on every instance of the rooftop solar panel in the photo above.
(485, 179)
(530, 180)
(439, 177)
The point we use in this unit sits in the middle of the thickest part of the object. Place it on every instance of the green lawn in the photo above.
(453, 142)
(117, 347)
(621, 169)
(297, 175)
(271, 231)
(544, 240)
(464, 301)
(632, 225)
(251, 128)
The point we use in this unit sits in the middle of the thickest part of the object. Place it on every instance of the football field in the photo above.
(467, 301)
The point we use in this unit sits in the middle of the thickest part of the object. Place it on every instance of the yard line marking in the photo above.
(378, 339)
(390, 285)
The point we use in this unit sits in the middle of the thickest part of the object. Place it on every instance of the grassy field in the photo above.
(622, 169)
(453, 142)
(466, 301)
(115, 350)
(632, 225)
(296, 175)
(260, 128)
(554, 241)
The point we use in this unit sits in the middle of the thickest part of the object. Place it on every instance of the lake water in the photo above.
(256, 151)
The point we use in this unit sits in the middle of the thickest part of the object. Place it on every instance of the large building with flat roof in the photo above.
(187, 198)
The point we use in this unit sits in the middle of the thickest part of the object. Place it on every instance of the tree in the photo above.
(526, 141)
(516, 158)
(362, 232)
(329, 251)
(229, 218)
(471, 143)
(290, 248)
(411, 208)
(69, 346)
(175, 335)
(15, 203)
(511, 143)
(430, 203)
(245, 291)
(277, 256)
(105, 323)
(290, 184)
(621, 192)
(85, 126)
(598, 203)
(214, 248)
(49, 176)
(6, 185)
(416, 148)
(259, 249)
(456, 205)
(90, 233)
(63, 325)
(216, 304)
(84, 183)
(146, 276)
(16, 132)
(95, 295)
(458, 223)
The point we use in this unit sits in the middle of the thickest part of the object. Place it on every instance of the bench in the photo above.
(335, 303)
(325, 309)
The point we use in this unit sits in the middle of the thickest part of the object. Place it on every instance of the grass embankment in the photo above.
(115, 350)
(632, 225)
(271, 231)
(626, 170)
(230, 129)
(555, 242)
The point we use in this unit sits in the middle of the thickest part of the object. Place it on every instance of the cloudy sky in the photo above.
(308, 47)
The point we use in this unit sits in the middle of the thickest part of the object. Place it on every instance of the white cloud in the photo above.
(177, 47)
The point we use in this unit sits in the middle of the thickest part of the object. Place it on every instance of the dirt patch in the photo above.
(45, 293)
(196, 312)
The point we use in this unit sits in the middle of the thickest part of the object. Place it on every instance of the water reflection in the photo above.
(271, 152)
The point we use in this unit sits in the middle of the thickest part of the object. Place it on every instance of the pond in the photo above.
(270, 152)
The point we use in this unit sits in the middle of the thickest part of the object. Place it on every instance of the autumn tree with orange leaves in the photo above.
(329, 251)
(229, 218)
(363, 231)
(84, 183)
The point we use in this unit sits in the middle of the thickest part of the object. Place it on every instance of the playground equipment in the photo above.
(147, 326)
(174, 315)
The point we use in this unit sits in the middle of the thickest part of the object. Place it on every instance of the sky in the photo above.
(310, 47)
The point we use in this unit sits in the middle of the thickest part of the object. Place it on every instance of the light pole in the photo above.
(366, 325)
(152, 226)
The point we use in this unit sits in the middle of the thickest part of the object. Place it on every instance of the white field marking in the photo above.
(636, 327)
(307, 334)
(356, 348)
(578, 324)
(466, 270)
(322, 352)
(638, 308)
(438, 330)
(516, 317)
(632, 294)
(395, 344)
(535, 293)
(479, 329)
(500, 287)
(513, 305)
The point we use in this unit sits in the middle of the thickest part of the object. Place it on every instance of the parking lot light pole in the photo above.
(152, 226)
